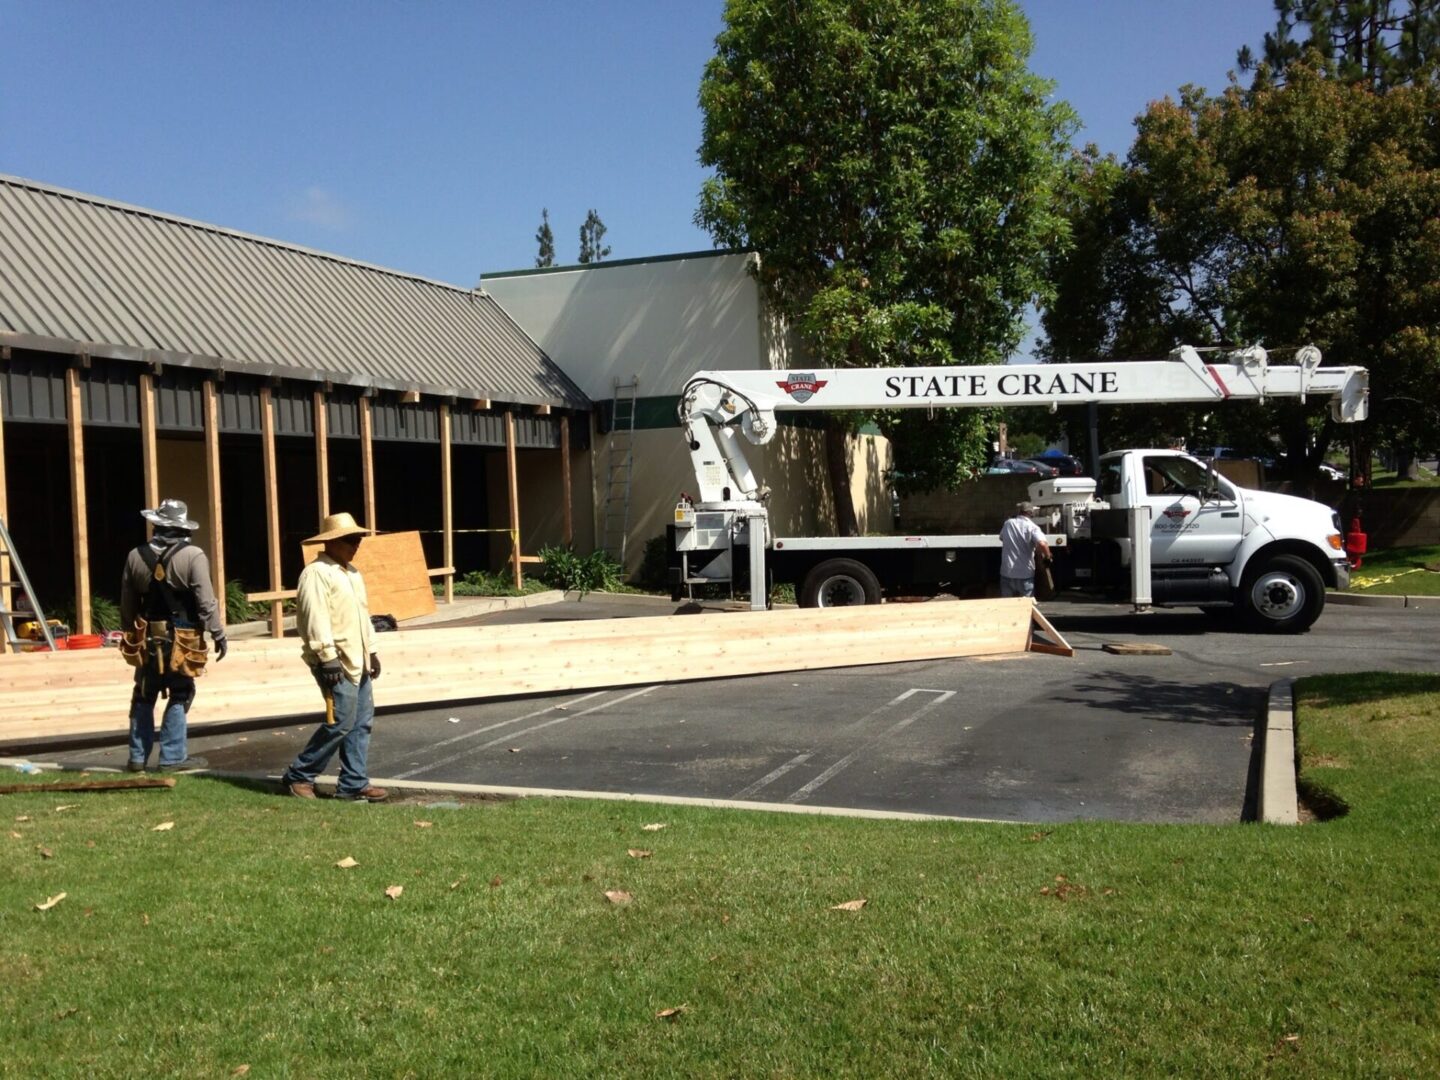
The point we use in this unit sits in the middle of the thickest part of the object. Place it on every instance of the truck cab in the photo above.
(1218, 545)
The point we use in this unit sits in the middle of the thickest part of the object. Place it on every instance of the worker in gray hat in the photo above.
(166, 601)
(1020, 542)
(332, 617)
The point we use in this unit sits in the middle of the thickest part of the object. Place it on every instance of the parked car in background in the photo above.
(1007, 465)
(1002, 466)
(1044, 468)
(1063, 464)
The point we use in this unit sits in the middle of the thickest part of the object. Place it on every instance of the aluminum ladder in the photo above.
(621, 465)
(9, 558)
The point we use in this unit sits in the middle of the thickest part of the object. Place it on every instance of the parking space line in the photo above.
(451, 759)
(770, 777)
(808, 789)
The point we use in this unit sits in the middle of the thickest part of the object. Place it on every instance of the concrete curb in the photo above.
(497, 792)
(1345, 599)
(1279, 801)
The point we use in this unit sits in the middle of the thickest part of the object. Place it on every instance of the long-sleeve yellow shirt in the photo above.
(332, 616)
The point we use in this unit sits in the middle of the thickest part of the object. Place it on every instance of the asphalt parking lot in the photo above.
(1029, 737)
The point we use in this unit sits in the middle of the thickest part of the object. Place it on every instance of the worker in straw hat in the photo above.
(332, 617)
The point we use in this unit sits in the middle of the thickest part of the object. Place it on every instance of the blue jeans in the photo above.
(350, 734)
(181, 692)
(1017, 586)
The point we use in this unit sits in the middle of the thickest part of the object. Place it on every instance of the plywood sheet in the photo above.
(66, 694)
(396, 578)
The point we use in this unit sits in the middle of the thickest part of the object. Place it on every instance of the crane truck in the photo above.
(1157, 525)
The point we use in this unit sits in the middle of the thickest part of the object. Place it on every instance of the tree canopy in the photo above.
(895, 163)
(545, 238)
(1285, 213)
(1381, 43)
(592, 233)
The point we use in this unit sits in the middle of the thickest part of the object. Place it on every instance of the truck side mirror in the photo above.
(1212, 483)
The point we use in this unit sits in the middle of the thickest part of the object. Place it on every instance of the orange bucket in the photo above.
(84, 641)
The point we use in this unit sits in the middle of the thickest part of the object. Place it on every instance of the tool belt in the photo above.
(179, 650)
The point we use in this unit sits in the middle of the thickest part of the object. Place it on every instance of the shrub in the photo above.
(561, 568)
(237, 608)
(655, 565)
(104, 614)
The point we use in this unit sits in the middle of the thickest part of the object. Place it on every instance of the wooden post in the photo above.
(367, 464)
(514, 477)
(5, 514)
(149, 452)
(322, 454)
(212, 496)
(79, 524)
(568, 532)
(272, 508)
(447, 508)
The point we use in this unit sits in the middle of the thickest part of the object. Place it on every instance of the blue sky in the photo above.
(426, 136)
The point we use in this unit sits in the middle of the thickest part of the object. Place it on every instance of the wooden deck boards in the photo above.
(87, 693)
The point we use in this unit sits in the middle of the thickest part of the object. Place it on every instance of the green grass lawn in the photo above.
(1399, 572)
(232, 939)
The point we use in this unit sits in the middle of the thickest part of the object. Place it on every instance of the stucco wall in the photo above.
(658, 321)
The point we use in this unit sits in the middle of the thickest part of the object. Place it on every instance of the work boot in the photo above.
(368, 794)
(134, 766)
(301, 790)
(186, 765)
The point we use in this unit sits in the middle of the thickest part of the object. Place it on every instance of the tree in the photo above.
(546, 239)
(1381, 43)
(895, 163)
(1307, 211)
(591, 233)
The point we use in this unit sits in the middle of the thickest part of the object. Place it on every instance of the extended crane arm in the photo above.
(716, 407)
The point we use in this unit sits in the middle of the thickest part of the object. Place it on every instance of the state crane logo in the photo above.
(801, 385)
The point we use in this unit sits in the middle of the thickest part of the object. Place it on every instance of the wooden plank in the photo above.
(1135, 648)
(213, 496)
(1057, 646)
(367, 463)
(79, 522)
(272, 506)
(149, 449)
(85, 693)
(568, 527)
(90, 785)
(322, 453)
(5, 597)
(396, 579)
(270, 596)
(513, 478)
(447, 506)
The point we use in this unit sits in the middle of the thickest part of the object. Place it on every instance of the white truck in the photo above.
(1205, 541)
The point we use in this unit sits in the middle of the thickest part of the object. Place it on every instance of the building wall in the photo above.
(659, 322)
(182, 476)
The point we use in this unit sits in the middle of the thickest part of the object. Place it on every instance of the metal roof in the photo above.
(82, 274)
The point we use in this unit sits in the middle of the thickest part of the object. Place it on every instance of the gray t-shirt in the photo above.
(189, 572)
(1017, 547)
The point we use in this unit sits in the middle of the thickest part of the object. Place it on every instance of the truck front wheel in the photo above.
(839, 583)
(1284, 595)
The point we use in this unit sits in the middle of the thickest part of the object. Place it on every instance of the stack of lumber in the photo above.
(85, 693)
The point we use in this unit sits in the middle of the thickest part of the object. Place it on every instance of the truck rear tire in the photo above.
(1283, 595)
(839, 583)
